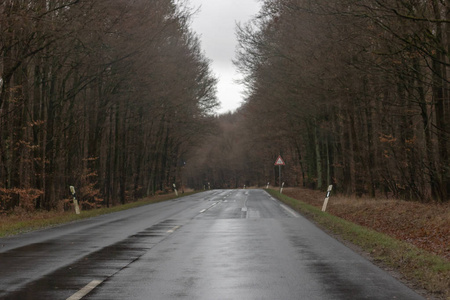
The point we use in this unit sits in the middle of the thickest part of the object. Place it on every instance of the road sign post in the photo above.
(279, 175)
(279, 162)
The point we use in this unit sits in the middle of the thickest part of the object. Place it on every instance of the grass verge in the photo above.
(20, 223)
(417, 266)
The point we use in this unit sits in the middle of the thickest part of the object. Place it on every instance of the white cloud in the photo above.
(216, 24)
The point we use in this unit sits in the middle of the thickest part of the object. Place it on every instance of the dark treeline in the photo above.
(97, 94)
(350, 93)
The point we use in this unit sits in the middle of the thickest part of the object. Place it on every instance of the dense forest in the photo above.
(350, 93)
(117, 99)
(106, 96)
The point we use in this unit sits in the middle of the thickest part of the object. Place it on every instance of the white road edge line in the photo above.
(86, 290)
(289, 210)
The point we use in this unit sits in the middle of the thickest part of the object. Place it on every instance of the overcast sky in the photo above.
(216, 24)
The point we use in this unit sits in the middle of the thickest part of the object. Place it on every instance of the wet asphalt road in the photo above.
(223, 244)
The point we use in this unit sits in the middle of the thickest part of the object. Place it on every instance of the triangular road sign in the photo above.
(279, 161)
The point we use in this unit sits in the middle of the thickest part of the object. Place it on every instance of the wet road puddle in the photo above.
(97, 266)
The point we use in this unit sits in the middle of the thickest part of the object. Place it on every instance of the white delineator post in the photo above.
(267, 185)
(175, 189)
(281, 189)
(325, 203)
(75, 201)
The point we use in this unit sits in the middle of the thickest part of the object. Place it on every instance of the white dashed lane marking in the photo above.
(86, 290)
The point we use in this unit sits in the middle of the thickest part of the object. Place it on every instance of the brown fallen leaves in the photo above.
(426, 226)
